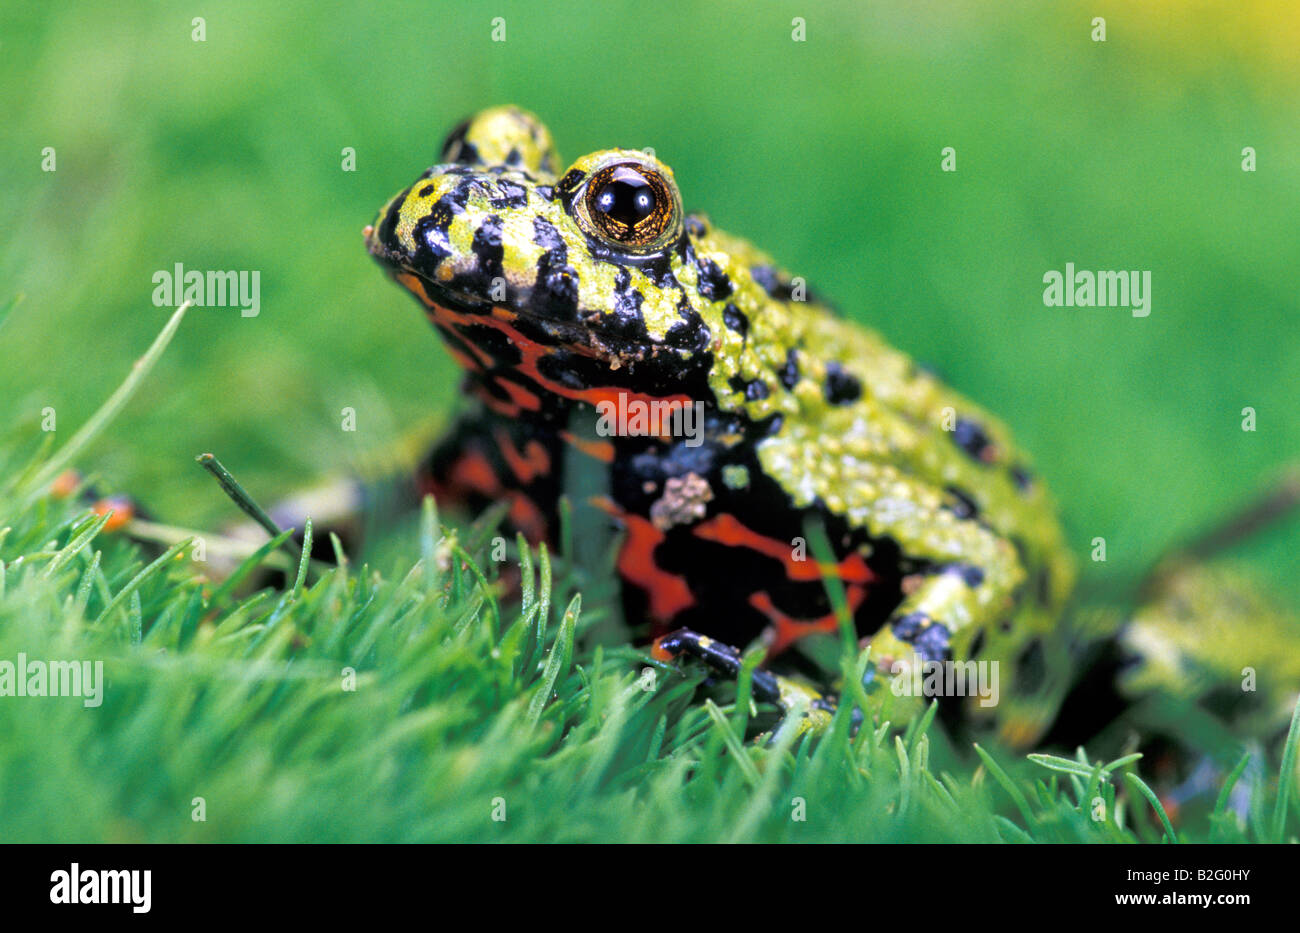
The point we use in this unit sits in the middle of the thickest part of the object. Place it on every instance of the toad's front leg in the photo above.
(768, 687)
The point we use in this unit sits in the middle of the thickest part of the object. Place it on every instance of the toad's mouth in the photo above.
(596, 334)
(526, 356)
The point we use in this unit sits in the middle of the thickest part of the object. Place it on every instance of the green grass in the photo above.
(418, 705)
(461, 705)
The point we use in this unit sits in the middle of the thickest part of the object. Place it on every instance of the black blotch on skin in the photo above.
(513, 157)
(690, 333)
(932, 640)
(691, 336)
(695, 227)
(556, 367)
(556, 291)
(971, 575)
(457, 197)
(909, 626)
(842, 387)
(623, 326)
(768, 280)
(426, 191)
(970, 437)
(661, 273)
(509, 196)
(1043, 586)
(547, 237)
(387, 232)
(569, 184)
(754, 389)
(789, 373)
(714, 284)
(976, 644)
(627, 300)
(964, 506)
(457, 149)
(735, 320)
(628, 303)
(487, 246)
(555, 294)
(431, 235)
(934, 643)
(492, 342)
(1022, 477)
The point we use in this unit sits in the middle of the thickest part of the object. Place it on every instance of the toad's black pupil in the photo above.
(626, 198)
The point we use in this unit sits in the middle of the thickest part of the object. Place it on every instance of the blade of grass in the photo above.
(1012, 831)
(1069, 766)
(904, 777)
(1225, 792)
(138, 580)
(494, 611)
(76, 545)
(228, 585)
(733, 743)
(558, 661)
(247, 504)
(429, 542)
(1008, 785)
(100, 419)
(84, 587)
(1220, 821)
(1286, 778)
(917, 728)
(1141, 787)
(302, 564)
(820, 545)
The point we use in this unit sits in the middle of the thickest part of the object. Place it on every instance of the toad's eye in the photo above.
(631, 205)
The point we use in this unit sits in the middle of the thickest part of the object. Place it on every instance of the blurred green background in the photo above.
(226, 154)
